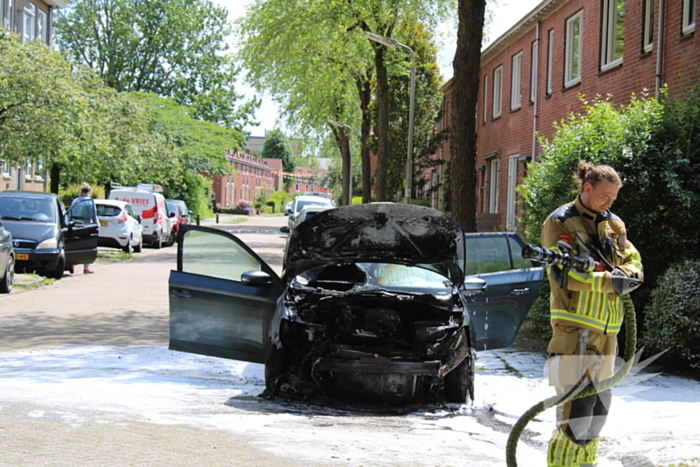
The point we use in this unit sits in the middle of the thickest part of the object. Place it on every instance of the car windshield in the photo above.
(321, 202)
(108, 211)
(26, 208)
(368, 276)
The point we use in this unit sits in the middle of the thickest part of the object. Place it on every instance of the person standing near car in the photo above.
(586, 310)
(85, 193)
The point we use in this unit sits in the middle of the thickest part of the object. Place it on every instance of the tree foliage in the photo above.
(174, 49)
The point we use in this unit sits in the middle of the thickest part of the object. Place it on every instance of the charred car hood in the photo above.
(378, 232)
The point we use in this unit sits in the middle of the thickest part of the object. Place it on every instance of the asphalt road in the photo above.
(125, 303)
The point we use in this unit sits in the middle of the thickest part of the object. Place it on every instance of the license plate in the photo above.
(22, 256)
(104, 223)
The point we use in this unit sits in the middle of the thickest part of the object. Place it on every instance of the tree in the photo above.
(276, 146)
(42, 105)
(288, 41)
(465, 97)
(174, 49)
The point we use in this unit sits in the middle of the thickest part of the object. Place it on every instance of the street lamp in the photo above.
(347, 188)
(409, 158)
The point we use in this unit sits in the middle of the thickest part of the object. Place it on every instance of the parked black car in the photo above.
(7, 260)
(373, 305)
(47, 238)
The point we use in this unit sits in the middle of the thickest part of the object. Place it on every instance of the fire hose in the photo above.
(570, 261)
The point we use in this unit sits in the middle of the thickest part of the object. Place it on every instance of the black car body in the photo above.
(373, 306)
(48, 238)
(7, 260)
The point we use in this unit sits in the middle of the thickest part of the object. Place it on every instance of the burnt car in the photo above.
(373, 306)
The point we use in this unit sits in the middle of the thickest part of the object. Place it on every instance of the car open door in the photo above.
(222, 296)
(512, 284)
(81, 232)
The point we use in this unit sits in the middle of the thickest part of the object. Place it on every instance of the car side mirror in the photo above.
(284, 229)
(473, 286)
(171, 214)
(256, 278)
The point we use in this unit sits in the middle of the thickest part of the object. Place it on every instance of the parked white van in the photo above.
(148, 202)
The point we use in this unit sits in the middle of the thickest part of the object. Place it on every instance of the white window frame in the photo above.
(648, 30)
(516, 81)
(42, 26)
(511, 202)
(497, 91)
(5, 168)
(689, 7)
(486, 98)
(574, 50)
(29, 170)
(39, 169)
(29, 23)
(550, 63)
(11, 15)
(610, 39)
(493, 185)
(534, 70)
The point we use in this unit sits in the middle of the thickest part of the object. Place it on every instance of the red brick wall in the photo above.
(513, 132)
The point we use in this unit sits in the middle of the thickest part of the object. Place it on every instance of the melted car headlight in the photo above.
(48, 244)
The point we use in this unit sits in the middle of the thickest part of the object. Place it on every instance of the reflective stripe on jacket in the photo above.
(589, 300)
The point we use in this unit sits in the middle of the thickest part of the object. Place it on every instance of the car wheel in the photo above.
(158, 244)
(459, 383)
(276, 364)
(139, 246)
(8, 280)
(128, 248)
(57, 272)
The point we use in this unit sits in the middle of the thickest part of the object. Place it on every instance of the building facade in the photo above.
(30, 20)
(535, 74)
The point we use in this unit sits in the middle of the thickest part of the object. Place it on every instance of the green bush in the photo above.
(672, 316)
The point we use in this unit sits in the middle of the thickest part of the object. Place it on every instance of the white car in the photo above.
(302, 201)
(120, 226)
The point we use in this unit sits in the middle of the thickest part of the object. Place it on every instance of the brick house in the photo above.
(532, 76)
(31, 20)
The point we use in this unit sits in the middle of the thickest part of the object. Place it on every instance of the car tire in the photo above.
(57, 272)
(138, 248)
(171, 239)
(276, 364)
(8, 280)
(158, 244)
(128, 248)
(459, 383)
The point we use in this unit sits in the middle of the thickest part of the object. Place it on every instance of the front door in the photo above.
(222, 297)
(81, 232)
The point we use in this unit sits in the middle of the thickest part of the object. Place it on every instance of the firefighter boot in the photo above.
(563, 452)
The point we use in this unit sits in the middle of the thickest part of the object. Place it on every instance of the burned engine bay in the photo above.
(344, 335)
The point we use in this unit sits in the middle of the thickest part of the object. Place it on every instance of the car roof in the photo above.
(34, 194)
(112, 202)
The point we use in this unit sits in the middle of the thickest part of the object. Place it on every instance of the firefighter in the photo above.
(586, 310)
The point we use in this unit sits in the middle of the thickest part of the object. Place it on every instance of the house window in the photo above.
(550, 62)
(486, 97)
(42, 27)
(516, 81)
(572, 65)
(648, 33)
(534, 72)
(497, 91)
(29, 170)
(11, 15)
(613, 30)
(28, 21)
(688, 16)
(493, 186)
(39, 170)
(5, 166)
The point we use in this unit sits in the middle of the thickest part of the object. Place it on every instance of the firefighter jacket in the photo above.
(589, 300)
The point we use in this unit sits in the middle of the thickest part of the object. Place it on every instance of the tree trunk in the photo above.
(382, 122)
(465, 95)
(342, 137)
(55, 177)
(365, 92)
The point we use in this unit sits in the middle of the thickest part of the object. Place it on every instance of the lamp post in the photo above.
(409, 158)
(347, 172)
